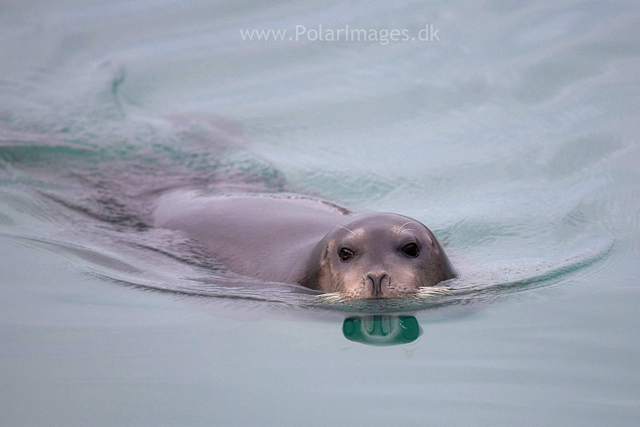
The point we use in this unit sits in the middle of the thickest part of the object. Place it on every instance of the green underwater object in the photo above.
(382, 330)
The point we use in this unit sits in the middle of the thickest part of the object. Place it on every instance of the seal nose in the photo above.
(376, 279)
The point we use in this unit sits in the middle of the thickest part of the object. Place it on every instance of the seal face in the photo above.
(379, 255)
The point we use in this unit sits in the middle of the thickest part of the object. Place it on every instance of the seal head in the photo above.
(379, 255)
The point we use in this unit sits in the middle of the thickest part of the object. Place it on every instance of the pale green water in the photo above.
(513, 137)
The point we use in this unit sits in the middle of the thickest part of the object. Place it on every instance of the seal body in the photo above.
(309, 242)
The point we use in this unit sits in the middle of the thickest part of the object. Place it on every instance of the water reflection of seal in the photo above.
(382, 330)
(310, 242)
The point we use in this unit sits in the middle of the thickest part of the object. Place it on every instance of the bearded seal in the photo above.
(309, 242)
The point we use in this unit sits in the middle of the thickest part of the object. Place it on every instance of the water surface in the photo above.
(513, 136)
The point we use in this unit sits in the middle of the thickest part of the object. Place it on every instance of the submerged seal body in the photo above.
(309, 242)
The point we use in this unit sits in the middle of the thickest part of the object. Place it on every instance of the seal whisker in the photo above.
(345, 228)
(331, 297)
(433, 291)
(402, 226)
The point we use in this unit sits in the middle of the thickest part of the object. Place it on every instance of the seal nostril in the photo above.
(377, 279)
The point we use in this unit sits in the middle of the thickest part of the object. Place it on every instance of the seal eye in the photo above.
(411, 250)
(345, 254)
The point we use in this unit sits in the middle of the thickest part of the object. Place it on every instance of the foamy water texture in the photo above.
(512, 134)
